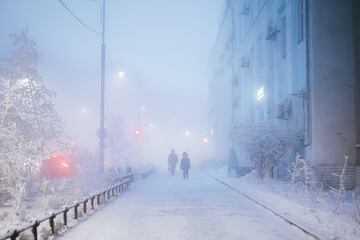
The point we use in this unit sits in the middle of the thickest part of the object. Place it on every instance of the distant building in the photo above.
(296, 62)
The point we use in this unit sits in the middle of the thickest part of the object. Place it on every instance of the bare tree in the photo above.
(118, 142)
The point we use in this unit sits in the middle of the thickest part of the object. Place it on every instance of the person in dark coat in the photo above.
(185, 165)
(172, 161)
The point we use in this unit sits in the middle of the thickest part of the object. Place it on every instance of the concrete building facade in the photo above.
(294, 62)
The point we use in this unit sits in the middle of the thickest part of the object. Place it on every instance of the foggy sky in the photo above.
(163, 46)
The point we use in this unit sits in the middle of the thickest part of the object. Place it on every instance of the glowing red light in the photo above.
(137, 132)
(65, 165)
(57, 166)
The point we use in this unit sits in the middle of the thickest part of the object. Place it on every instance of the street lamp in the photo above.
(187, 133)
(137, 132)
(24, 82)
(121, 75)
(205, 140)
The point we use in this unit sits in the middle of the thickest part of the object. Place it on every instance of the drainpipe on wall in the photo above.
(307, 140)
(231, 8)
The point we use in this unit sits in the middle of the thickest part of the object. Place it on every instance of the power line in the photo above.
(77, 18)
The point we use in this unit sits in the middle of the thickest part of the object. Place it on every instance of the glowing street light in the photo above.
(121, 74)
(260, 94)
(205, 140)
(24, 82)
(84, 110)
(187, 133)
(137, 132)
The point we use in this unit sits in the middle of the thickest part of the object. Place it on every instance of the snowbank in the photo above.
(313, 211)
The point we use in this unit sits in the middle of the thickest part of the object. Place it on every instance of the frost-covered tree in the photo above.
(340, 191)
(264, 143)
(29, 124)
(118, 142)
(300, 173)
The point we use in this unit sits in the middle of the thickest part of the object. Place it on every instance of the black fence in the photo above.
(141, 173)
(122, 184)
(146, 173)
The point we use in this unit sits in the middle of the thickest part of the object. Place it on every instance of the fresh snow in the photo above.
(314, 213)
(165, 207)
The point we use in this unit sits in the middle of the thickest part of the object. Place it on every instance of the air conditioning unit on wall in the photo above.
(271, 33)
(245, 9)
(244, 63)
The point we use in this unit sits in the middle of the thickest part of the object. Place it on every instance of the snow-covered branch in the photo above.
(339, 193)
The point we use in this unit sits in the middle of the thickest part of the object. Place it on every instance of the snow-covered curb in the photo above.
(320, 221)
(291, 222)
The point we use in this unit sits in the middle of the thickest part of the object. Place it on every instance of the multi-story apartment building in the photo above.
(295, 62)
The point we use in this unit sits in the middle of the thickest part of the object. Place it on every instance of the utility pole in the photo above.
(102, 131)
(139, 118)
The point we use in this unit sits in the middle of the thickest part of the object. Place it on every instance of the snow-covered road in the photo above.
(164, 207)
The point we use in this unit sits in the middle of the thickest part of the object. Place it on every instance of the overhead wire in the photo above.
(77, 18)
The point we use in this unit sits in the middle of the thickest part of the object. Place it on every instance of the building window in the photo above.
(260, 93)
(236, 103)
(300, 11)
(283, 37)
(235, 81)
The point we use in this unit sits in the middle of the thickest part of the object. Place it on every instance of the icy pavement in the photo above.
(164, 207)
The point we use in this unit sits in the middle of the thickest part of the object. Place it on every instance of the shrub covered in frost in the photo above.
(264, 143)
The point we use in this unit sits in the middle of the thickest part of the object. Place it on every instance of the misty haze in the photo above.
(179, 119)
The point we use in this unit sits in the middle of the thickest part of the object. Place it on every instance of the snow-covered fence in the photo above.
(97, 199)
(144, 174)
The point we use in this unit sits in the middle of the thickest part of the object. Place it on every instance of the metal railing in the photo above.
(145, 173)
(148, 172)
(97, 199)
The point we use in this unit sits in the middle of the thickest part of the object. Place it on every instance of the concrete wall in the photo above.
(220, 89)
(356, 37)
(332, 83)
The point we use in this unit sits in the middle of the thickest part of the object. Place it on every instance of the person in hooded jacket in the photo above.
(185, 165)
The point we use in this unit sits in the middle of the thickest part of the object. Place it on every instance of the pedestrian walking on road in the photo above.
(185, 165)
(172, 161)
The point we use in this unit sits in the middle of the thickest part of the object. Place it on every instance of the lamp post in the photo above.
(121, 75)
(102, 132)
